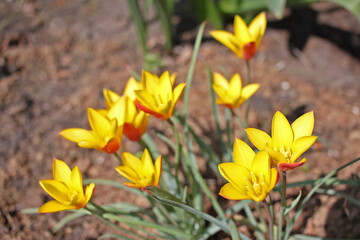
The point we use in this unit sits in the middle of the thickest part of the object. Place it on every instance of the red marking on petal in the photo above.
(289, 166)
(112, 145)
(145, 109)
(131, 132)
(249, 50)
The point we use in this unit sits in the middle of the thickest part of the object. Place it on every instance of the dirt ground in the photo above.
(57, 56)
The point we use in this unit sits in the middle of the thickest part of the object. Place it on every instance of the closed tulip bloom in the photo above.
(249, 176)
(231, 93)
(141, 172)
(288, 142)
(157, 96)
(246, 39)
(66, 188)
(105, 134)
(126, 113)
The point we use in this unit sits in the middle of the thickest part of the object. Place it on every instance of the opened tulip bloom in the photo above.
(231, 93)
(157, 96)
(288, 142)
(246, 39)
(105, 134)
(66, 188)
(249, 176)
(126, 113)
(141, 172)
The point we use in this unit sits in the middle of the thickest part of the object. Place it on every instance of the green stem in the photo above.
(118, 157)
(283, 205)
(248, 81)
(271, 223)
(177, 152)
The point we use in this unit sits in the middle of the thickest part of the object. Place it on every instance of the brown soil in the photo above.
(57, 56)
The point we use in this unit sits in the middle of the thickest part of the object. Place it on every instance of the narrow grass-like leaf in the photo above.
(98, 181)
(65, 220)
(333, 192)
(293, 204)
(135, 222)
(253, 222)
(139, 23)
(112, 236)
(309, 195)
(305, 237)
(190, 74)
(167, 198)
(215, 110)
(29, 210)
(165, 13)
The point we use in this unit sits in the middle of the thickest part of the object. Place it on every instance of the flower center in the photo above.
(285, 151)
(256, 185)
(73, 197)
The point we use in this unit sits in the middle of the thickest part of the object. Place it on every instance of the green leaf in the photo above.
(305, 237)
(293, 204)
(312, 191)
(276, 7)
(167, 198)
(112, 236)
(67, 219)
(135, 222)
(140, 23)
(29, 210)
(333, 192)
(98, 181)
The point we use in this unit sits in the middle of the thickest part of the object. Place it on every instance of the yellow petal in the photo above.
(130, 110)
(261, 165)
(158, 168)
(131, 85)
(110, 97)
(78, 134)
(281, 131)
(165, 86)
(178, 91)
(56, 189)
(258, 138)
(241, 31)
(249, 90)
(303, 126)
(230, 192)
(99, 124)
(149, 82)
(76, 181)
(220, 81)
(147, 165)
(243, 154)
(61, 171)
(89, 190)
(235, 86)
(234, 174)
(128, 173)
(146, 99)
(274, 178)
(54, 206)
(172, 78)
(131, 161)
(257, 28)
(301, 145)
(229, 40)
(96, 145)
(275, 157)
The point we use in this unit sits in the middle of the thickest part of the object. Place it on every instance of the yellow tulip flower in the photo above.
(157, 96)
(288, 142)
(130, 87)
(66, 188)
(105, 135)
(249, 176)
(142, 173)
(232, 94)
(246, 39)
(134, 120)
